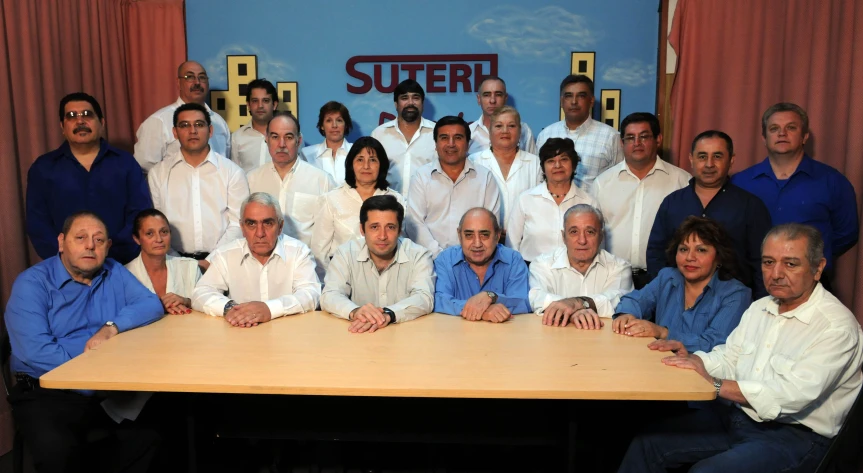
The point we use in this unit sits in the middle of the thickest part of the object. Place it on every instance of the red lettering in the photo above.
(459, 74)
(351, 68)
(385, 117)
(432, 78)
(443, 72)
(478, 76)
(394, 79)
(413, 69)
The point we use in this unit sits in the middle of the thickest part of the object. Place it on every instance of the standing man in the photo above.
(490, 97)
(797, 188)
(446, 188)
(295, 183)
(596, 143)
(198, 189)
(408, 139)
(248, 143)
(711, 194)
(84, 173)
(156, 141)
(629, 193)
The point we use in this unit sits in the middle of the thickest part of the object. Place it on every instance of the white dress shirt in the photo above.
(202, 203)
(287, 282)
(338, 220)
(155, 136)
(524, 174)
(406, 157)
(629, 206)
(183, 274)
(480, 140)
(597, 144)
(552, 278)
(799, 367)
(536, 221)
(321, 157)
(298, 194)
(249, 148)
(406, 286)
(436, 203)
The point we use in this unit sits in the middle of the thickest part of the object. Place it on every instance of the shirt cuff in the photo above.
(712, 367)
(277, 309)
(548, 299)
(760, 399)
(216, 307)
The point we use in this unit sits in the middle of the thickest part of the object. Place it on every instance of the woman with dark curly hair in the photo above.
(698, 302)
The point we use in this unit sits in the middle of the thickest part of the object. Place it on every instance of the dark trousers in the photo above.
(69, 432)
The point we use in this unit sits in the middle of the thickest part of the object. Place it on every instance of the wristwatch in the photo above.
(228, 306)
(717, 383)
(112, 324)
(584, 303)
(391, 314)
(492, 295)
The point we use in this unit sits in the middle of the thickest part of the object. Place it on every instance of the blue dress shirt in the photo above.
(114, 189)
(506, 276)
(743, 215)
(707, 323)
(816, 194)
(50, 316)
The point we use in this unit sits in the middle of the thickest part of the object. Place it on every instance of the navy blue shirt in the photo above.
(50, 316)
(743, 215)
(506, 276)
(114, 189)
(816, 194)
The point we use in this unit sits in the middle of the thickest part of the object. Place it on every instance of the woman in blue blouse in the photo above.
(698, 302)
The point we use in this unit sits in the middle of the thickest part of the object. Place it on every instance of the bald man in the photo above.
(155, 138)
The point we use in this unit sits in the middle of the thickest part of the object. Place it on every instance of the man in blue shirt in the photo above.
(481, 279)
(85, 173)
(711, 194)
(796, 188)
(58, 309)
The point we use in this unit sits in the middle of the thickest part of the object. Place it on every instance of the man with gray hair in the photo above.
(789, 374)
(579, 282)
(265, 275)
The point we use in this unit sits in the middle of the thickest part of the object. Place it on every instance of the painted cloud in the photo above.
(268, 67)
(631, 72)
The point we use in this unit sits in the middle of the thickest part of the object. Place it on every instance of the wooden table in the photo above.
(433, 356)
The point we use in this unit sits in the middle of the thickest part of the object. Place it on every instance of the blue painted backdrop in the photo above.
(311, 41)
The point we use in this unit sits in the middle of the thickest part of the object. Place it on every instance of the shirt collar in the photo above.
(658, 165)
(561, 260)
(61, 276)
(803, 312)
(180, 102)
(178, 158)
(494, 259)
(104, 149)
(401, 252)
(468, 165)
(478, 124)
(322, 148)
(584, 126)
(279, 250)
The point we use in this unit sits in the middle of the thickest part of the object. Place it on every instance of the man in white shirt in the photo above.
(295, 183)
(490, 97)
(789, 374)
(248, 143)
(579, 282)
(597, 144)
(265, 275)
(156, 141)
(443, 190)
(408, 139)
(198, 189)
(630, 192)
(382, 279)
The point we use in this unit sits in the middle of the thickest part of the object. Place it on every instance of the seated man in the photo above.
(481, 279)
(382, 279)
(579, 282)
(58, 309)
(790, 371)
(265, 275)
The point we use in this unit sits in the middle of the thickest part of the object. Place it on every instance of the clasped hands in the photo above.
(367, 319)
(479, 307)
(560, 313)
(629, 325)
(248, 314)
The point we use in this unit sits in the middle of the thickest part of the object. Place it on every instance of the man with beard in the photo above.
(248, 143)
(84, 173)
(156, 139)
(382, 279)
(407, 139)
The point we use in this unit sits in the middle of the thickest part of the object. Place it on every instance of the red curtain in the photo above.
(738, 57)
(123, 53)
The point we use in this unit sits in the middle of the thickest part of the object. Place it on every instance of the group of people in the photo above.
(455, 218)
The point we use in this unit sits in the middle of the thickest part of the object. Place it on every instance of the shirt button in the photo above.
(704, 215)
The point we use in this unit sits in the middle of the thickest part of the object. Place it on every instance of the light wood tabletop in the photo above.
(434, 356)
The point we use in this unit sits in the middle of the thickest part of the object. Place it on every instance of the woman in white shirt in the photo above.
(172, 278)
(514, 169)
(536, 222)
(338, 219)
(334, 124)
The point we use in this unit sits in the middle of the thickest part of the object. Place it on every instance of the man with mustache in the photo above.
(407, 139)
(711, 194)
(248, 143)
(84, 173)
(155, 139)
(490, 97)
(797, 188)
(596, 143)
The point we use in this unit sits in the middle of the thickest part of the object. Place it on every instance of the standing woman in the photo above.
(334, 124)
(172, 278)
(338, 219)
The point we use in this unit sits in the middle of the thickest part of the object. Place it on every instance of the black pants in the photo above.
(67, 431)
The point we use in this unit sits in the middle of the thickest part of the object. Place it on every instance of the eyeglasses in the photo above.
(191, 78)
(75, 115)
(199, 125)
(629, 139)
